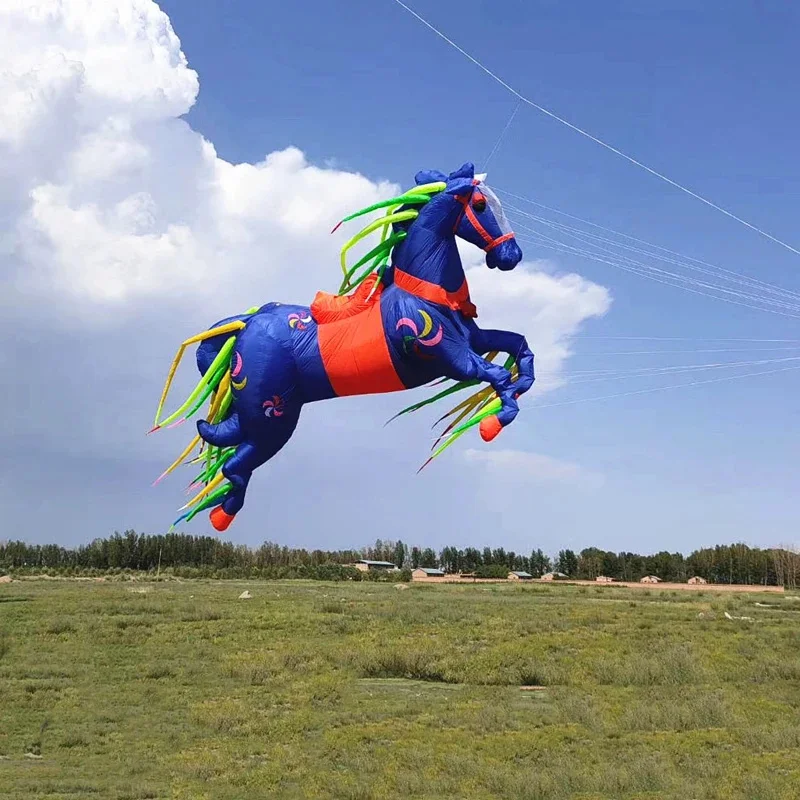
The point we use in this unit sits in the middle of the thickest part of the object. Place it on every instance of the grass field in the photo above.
(356, 690)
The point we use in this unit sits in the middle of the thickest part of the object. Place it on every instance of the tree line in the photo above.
(736, 563)
(208, 556)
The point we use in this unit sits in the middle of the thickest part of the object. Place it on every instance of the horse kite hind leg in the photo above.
(267, 407)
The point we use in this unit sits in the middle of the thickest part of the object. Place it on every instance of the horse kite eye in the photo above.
(479, 203)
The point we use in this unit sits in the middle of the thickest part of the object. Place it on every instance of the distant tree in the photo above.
(786, 566)
(451, 559)
(471, 560)
(492, 571)
(447, 559)
(668, 566)
(400, 554)
(632, 566)
(428, 558)
(539, 563)
(590, 563)
(567, 563)
(610, 565)
(206, 556)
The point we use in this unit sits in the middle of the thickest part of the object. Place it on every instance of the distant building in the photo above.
(518, 575)
(604, 579)
(696, 579)
(554, 576)
(650, 579)
(365, 565)
(427, 572)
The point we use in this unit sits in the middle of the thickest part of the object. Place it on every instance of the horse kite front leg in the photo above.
(508, 390)
(514, 344)
(468, 365)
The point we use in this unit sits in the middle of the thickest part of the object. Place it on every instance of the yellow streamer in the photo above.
(176, 463)
(222, 390)
(227, 328)
(203, 492)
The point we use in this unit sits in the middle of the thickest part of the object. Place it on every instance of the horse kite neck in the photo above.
(429, 252)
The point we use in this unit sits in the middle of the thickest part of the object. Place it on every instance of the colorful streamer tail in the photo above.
(214, 386)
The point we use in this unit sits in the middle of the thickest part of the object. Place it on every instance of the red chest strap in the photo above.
(457, 301)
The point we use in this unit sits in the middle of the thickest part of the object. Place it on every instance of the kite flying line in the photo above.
(523, 99)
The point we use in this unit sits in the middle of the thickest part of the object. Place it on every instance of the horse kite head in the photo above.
(480, 220)
(456, 205)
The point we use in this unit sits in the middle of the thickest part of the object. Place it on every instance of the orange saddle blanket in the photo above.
(352, 343)
(332, 308)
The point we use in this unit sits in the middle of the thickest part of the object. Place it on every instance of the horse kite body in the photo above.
(409, 321)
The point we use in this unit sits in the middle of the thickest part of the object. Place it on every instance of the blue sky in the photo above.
(705, 96)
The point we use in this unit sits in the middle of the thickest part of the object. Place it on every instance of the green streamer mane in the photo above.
(378, 257)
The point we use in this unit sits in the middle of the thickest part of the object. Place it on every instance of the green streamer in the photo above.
(379, 252)
(422, 403)
(401, 200)
(212, 500)
(223, 356)
(210, 473)
(223, 408)
(207, 391)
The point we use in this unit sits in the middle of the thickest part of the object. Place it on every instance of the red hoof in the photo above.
(489, 428)
(219, 519)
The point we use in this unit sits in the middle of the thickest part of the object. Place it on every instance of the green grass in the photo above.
(362, 690)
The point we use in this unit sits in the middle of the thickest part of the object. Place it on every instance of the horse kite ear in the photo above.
(429, 176)
(460, 181)
(466, 170)
(459, 186)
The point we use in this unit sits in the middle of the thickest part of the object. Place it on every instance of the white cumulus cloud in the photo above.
(113, 200)
(547, 306)
(122, 230)
(533, 468)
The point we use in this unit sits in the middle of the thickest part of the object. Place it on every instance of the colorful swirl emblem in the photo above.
(274, 407)
(301, 323)
(237, 368)
(412, 341)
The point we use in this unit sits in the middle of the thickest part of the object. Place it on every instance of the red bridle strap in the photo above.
(491, 242)
(499, 240)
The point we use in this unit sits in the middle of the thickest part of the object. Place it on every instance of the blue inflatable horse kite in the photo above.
(409, 321)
